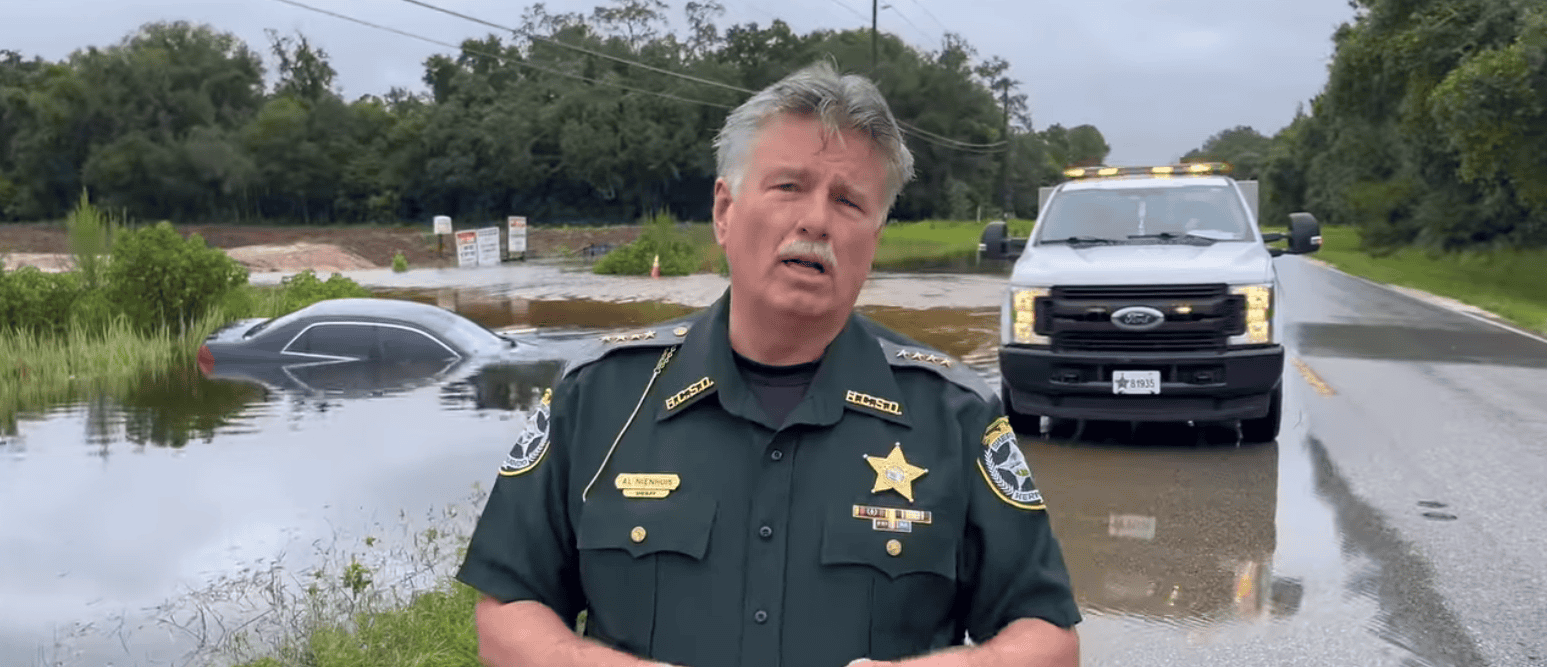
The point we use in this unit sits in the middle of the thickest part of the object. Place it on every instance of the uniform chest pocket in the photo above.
(624, 544)
(911, 577)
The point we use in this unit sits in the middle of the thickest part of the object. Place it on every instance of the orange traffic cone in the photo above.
(655, 267)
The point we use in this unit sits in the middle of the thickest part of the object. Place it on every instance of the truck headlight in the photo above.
(1259, 314)
(1023, 316)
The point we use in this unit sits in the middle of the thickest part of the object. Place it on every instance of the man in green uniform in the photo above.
(775, 480)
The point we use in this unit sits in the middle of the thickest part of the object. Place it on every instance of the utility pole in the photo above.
(875, 6)
(1008, 145)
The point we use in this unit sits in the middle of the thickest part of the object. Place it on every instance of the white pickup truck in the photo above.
(1145, 294)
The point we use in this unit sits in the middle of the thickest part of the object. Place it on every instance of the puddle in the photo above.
(1411, 343)
(1177, 535)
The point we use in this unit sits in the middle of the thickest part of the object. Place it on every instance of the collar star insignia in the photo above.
(926, 358)
(894, 472)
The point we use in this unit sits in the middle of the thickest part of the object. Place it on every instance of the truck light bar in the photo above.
(1195, 168)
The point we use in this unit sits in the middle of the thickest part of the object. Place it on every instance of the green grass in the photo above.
(41, 370)
(435, 630)
(37, 371)
(911, 243)
(1508, 283)
(903, 244)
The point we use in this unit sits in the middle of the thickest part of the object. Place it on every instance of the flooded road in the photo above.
(118, 517)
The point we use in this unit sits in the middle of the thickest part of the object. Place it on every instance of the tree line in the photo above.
(1431, 130)
(550, 120)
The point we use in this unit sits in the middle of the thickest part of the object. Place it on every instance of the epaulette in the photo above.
(659, 336)
(950, 369)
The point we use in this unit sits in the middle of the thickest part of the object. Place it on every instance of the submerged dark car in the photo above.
(354, 330)
(363, 346)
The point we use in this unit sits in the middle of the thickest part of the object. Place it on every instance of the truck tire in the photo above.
(1265, 428)
(1021, 422)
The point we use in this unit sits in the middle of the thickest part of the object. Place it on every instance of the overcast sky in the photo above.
(1157, 77)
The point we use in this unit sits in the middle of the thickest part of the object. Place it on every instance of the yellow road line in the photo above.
(1311, 377)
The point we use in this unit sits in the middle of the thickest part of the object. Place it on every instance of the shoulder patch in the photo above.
(948, 368)
(598, 348)
(1005, 469)
(532, 444)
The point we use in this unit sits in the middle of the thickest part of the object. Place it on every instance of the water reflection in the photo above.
(1174, 534)
(502, 312)
(514, 387)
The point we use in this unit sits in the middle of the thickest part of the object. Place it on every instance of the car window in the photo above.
(356, 341)
(409, 344)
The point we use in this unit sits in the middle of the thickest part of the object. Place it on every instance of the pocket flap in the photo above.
(680, 523)
(929, 548)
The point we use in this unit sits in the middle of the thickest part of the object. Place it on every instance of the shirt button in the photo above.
(765, 531)
(776, 455)
(761, 616)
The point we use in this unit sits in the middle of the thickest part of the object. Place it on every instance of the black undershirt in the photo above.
(777, 388)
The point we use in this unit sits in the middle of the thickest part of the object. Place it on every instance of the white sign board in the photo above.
(467, 248)
(517, 226)
(442, 224)
(489, 246)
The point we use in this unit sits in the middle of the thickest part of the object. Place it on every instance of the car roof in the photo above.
(1135, 182)
(464, 331)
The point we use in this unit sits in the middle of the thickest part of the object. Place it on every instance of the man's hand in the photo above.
(529, 633)
(1028, 642)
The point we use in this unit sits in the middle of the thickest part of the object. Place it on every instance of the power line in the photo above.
(921, 133)
(500, 57)
(931, 16)
(581, 49)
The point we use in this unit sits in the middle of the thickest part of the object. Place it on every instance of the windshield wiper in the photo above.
(1168, 236)
(1076, 240)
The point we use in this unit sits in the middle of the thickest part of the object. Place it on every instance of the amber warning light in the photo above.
(1189, 169)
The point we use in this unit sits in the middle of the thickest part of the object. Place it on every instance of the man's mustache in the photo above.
(822, 252)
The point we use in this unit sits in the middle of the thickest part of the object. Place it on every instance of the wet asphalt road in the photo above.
(1429, 431)
(1397, 521)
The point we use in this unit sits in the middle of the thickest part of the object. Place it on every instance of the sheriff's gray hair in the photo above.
(839, 102)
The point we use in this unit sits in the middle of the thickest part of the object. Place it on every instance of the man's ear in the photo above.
(722, 207)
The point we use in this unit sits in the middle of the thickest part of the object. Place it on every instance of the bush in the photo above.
(91, 236)
(304, 289)
(37, 302)
(679, 256)
(399, 262)
(160, 279)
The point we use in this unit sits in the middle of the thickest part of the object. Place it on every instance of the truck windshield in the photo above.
(1144, 215)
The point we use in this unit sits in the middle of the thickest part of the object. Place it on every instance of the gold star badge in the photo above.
(894, 472)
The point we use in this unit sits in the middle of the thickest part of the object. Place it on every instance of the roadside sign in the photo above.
(488, 246)
(517, 226)
(467, 248)
(442, 224)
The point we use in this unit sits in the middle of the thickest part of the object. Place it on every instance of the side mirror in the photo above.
(996, 242)
(1271, 237)
(1304, 233)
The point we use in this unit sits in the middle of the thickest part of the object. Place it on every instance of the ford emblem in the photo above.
(1138, 318)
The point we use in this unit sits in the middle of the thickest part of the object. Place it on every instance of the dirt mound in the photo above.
(323, 258)
(47, 262)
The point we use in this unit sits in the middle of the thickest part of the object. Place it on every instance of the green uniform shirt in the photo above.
(891, 513)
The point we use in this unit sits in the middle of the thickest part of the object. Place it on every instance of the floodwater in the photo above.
(121, 519)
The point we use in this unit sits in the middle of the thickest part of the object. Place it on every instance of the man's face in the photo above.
(801, 188)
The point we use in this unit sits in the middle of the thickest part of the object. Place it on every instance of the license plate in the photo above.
(1133, 526)
(1135, 382)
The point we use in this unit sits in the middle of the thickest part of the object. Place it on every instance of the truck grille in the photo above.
(1142, 341)
(1138, 292)
(1199, 318)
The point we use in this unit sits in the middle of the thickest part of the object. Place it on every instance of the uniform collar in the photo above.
(853, 375)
